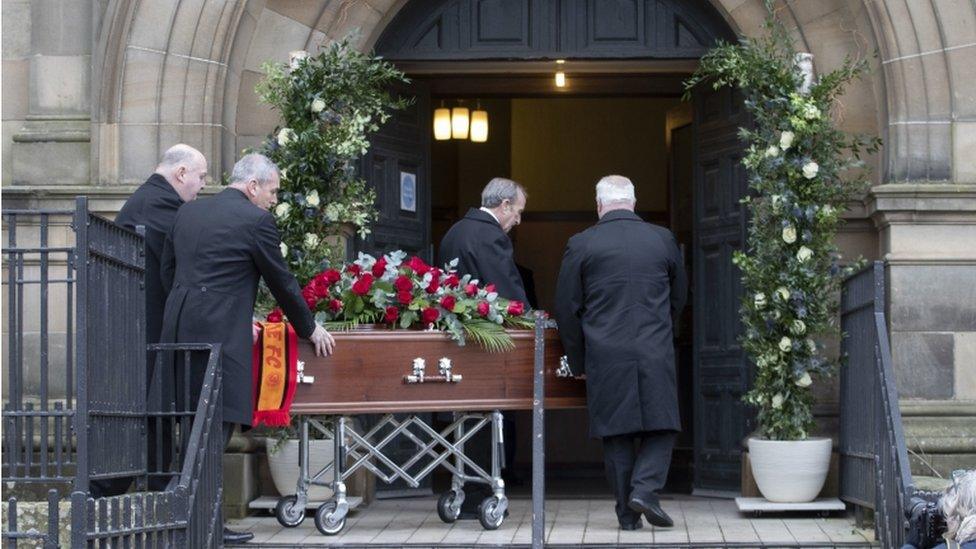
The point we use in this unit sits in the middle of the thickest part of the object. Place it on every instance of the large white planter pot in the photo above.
(790, 471)
(284, 466)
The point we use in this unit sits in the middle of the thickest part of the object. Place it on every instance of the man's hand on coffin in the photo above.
(322, 339)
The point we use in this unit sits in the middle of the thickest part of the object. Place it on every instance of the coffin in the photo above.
(368, 373)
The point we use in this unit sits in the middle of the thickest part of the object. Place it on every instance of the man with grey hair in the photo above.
(621, 283)
(179, 176)
(216, 253)
(483, 249)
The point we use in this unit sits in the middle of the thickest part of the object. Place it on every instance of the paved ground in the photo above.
(414, 522)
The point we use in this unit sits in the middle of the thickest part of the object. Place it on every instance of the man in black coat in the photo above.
(620, 285)
(218, 250)
(480, 243)
(181, 173)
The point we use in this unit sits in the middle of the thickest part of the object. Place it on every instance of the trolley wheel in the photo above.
(488, 514)
(444, 510)
(288, 513)
(324, 520)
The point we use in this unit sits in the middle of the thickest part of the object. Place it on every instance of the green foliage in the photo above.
(329, 104)
(802, 173)
(489, 335)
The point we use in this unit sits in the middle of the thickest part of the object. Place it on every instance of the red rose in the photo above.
(452, 281)
(335, 305)
(332, 276)
(483, 308)
(379, 267)
(471, 290)
(391, 315)
(403, 284)
(311, 299)
(275, 315)
(516, 308)
(448, 303)
(319, 287)
(429, 315)
(433, 286)
(405, 297)
(490, 288)
(311, 302)
(435, 273)
(363, 285)
(418, 265)
(354, 269)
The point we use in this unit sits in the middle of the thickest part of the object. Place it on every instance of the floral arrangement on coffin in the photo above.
(803, 172)
(405, 293)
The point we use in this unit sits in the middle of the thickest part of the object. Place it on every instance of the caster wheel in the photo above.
(288, 513)
(488, 514)
(444, 510)
(325, 522)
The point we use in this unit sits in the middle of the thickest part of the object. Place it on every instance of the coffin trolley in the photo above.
(380, 371)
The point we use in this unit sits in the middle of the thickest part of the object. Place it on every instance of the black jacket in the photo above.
(153, 205)
(222, 246)
(620, 284)
(484, 251)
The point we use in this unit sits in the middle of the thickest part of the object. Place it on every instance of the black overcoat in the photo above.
(620, 284)
(154, 206)
(484, 251)
(220, 247)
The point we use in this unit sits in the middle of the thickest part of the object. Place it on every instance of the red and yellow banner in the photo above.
(275, 371)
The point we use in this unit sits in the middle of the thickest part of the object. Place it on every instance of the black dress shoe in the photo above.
(652, 511)
(233, 536)
(636, 525)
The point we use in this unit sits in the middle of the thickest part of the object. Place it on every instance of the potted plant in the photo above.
(282, 449)
(800, 173)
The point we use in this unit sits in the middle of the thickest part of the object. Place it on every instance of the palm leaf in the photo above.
(489, 335)
(340, 325)
(520, 323)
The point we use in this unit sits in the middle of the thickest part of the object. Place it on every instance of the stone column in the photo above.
(928, 237)
(52, 146)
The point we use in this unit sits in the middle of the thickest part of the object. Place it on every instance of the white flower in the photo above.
(318, 105)
(789, 234)
(805, 380)
(284, 249)
(281, 210)
(311, 241)
(285, 136)
(810, 169)
(772, 151)
(786, 140)
(759, 300)
(777, 401)
(782, 293)
(283, 173)
(312, 198)
(295, 57)
(785, 344)
(776, 314)
(777, 202)
(812, 345)
(811, 112)
(798, 327)
(804, 254)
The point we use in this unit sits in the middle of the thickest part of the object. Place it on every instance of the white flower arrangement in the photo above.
(810, 169)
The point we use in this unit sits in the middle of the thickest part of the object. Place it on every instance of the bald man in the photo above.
(179, 176)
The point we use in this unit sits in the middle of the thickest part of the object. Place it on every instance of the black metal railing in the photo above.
(76, 407)
(875, 472)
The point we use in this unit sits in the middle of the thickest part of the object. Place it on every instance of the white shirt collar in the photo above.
(492, 214)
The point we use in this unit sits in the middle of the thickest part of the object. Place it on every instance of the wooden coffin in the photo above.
(368, 374)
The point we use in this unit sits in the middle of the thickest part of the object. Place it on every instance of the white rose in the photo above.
(776, 314)
(805, 380)
(811, 112)
(281, 210)
(759, 300)
(798, 327)
(789, 234)
(782, 293)
(810, 170)
(777, 401)
(318, 105)
(804, 254)
(785, 344)
(786, 140)
(285, 136)
(772, 151)
(296, 57)
(311, 241)
(312, 198)
(812, 345)
(284, 249)
(777, 201)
